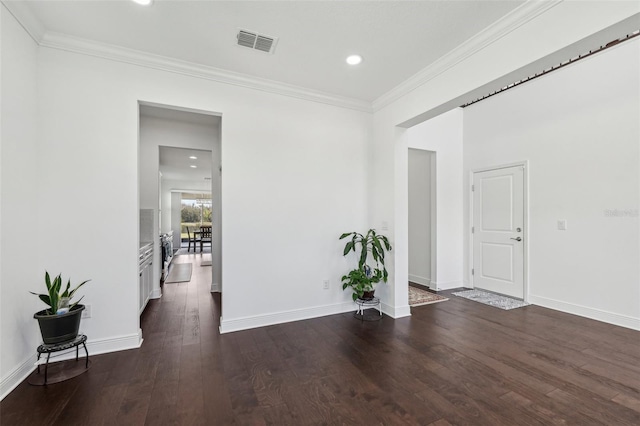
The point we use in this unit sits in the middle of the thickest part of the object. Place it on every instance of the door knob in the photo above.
(517, 239)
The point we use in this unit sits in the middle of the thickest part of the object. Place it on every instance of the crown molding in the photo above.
(163, 63)
(510, 22)
(32, 25)
(487, 36)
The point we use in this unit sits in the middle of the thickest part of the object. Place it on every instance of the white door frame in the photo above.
(526, 234)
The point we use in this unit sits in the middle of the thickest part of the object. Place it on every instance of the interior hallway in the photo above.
(454, 362)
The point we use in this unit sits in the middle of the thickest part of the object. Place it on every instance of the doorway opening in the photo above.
(179, 153)
(422, 217)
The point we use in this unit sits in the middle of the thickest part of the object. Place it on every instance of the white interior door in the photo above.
(498, 231)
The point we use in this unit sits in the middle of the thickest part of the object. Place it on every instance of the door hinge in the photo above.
(473, 188)
(473, 229)
(473, 271)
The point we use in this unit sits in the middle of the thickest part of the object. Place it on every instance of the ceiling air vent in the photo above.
(256, 41)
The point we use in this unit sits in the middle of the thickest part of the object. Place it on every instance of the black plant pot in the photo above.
(61, 328)
(367, 295)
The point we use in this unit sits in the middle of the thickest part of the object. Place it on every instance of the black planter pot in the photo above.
(61, 328)
(367, 295)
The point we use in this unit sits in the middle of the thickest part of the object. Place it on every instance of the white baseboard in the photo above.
(396, 312)
(216, 288)
(420, 280)
(228, 326)
(439, 286)
(587, 312)
(115, 344)
(95, 347)
(16, 377)
(156, 293)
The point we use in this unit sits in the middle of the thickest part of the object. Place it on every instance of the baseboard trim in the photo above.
(420, 280)
(17, 376)
(447, 285)
(587, 312)
(156, 293)
(396, 312)
(215, 288)
(246, 323)
(95, 347)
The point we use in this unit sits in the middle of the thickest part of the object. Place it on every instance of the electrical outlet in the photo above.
(87, 311)
(325, 284)
(562, 225)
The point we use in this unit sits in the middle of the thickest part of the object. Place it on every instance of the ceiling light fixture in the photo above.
(193, 166)
(354, 59)
(193, 157)
(143, 2)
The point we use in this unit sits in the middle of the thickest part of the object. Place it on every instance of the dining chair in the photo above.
(193, 240)
(205, 236)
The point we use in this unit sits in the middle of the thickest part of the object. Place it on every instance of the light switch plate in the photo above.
(562, 225)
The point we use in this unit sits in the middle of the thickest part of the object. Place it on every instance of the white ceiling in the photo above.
(175, 165)
(396, 38)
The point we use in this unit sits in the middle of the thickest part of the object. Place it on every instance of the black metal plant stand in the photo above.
(49, 349)
(364, 304)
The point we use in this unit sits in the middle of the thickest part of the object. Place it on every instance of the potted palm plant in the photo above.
(61, 321)
(362, 279)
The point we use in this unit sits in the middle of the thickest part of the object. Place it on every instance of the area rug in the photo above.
(492, 299)
(179, 273)
(419, 297)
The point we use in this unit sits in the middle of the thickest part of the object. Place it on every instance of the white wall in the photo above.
(443, 135)
(579, 128)
(419, 187)
(546, 37)
(20, 269)
(158, 131)
(288, 173)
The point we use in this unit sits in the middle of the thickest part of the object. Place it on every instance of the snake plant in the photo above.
(55, 296)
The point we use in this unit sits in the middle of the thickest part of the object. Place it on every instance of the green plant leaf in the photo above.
(76, 303)
(385, 241)
(347, 248)
(363, 256)
(345, 235)
(47, 280)
(65, 293)
(54, 292)
(45, 299)
(76, 289)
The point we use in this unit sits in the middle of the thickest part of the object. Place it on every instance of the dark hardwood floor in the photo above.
(454, 362)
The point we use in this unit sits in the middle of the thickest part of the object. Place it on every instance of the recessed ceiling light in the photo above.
(193, 157)
(193, 166)
(143, 2)
(354, 59)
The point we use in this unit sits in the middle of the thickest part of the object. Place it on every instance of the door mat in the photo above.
(179, 273)
(492, 299)
(419, 297)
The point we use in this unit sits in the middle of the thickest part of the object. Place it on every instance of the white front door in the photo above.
(498, 231)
